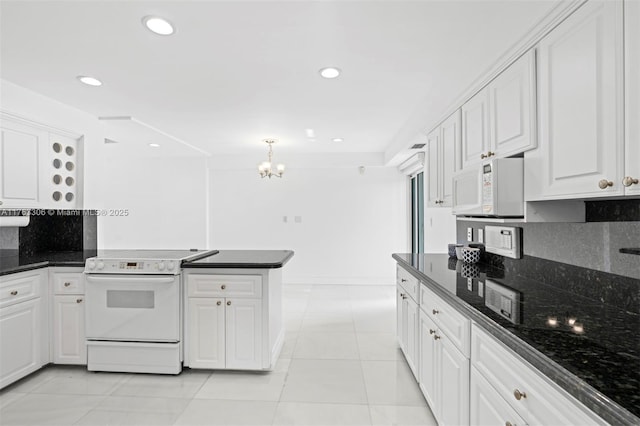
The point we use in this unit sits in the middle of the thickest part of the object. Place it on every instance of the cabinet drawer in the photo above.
(456, 326)
(68, 282)
(533, 396)
(224, 286)
(407, 281)
(19, 287)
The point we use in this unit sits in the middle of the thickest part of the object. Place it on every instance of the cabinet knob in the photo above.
(67, 284)
(628, 181)
(223, 286)
(604, 184)
(402, 280)
(431, 331)
(14, 293)
(490, 154)
(78, 300)
(519, 395)
(508, 424)
(229, 303)
(483, 156)
(402, 294)
(436, 337)
(0, 202)
(435, 312)
(219, 303)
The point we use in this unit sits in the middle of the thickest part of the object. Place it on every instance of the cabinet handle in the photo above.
(67, 284)
(628, 181)
(14, 293)
(223, 286)
(229, 303)
(519, 395)
(431, 331)
(436, 337)
(78, 300)
(402, 280)
(604, 184)
(435, 312)
(219, 303)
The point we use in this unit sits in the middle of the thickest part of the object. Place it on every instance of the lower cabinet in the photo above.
(69, 345)
(487, 407)
(408, 328)
(68, 340)
(225, 333)
(23, 331)
(444, 374)
(233, 319)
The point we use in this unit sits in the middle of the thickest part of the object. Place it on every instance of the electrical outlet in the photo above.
(469, 234)
(481, 235)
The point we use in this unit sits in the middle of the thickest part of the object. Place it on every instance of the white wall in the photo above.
(166, 199)
(350, 223)
(439, 229)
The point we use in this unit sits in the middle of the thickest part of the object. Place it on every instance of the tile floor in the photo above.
(340, 365)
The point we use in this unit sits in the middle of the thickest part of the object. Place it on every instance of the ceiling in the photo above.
(236, 72)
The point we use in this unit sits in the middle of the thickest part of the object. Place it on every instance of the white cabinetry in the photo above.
(21, 164)
(234, 320)
(631, 179)
(22, 327)
(68, 343)
(580, 102)
(536, 399)
(487, 408)
(500, 119)
(444, 368)
(442, 150)
(407, 306)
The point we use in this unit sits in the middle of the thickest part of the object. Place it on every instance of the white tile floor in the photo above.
(340, 365)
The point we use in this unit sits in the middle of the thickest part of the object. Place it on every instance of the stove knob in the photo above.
(91, 264)
(170, 265)
(100, 265)
(161, 266)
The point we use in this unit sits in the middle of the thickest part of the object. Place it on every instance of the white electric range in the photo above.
(133, 310)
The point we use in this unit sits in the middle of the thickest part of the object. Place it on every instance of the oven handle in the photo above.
(129, 278)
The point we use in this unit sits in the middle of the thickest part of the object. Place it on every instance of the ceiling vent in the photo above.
(418, 146)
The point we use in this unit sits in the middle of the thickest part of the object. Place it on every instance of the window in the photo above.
(417, 213)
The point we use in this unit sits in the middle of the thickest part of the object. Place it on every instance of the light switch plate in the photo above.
(503, 240)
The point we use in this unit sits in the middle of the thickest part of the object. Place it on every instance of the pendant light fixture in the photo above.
(265, 168)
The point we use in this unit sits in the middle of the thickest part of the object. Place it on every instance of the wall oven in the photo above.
(133, 311)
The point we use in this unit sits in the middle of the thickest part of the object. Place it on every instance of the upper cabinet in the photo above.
(499, 121)
(580, 104)
(38, 168)
(631, 179)
(442, 145)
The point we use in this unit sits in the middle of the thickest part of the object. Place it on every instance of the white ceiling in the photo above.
(236, 72)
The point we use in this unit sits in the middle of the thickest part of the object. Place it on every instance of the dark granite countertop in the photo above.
(11, 262)
(250, 259)
(598, 364)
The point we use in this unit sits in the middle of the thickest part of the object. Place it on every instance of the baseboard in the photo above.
(307, 279)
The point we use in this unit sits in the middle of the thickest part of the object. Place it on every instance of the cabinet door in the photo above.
(433, 168)
(243, 334)
(512, 108)
(69, 346)
(475, 129)
(454, 384)
(580, 71)
(450, 147)
(20, 164)
(487, 407)
(632, 92)
(429, 373)
(412, 336)
(20, 345)
(206, 333)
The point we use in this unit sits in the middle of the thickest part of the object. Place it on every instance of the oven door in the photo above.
(133, 307)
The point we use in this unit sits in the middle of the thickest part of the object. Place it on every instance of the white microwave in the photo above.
(493, 188)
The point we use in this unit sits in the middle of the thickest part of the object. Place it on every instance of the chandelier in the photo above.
(265, 168)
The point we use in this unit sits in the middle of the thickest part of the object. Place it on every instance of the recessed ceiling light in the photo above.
(337, 140)
(330, 72)
(90, 81)
(310, 133)
(158, 25)
(154, 145)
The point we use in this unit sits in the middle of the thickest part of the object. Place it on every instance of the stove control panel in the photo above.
(127, 266)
